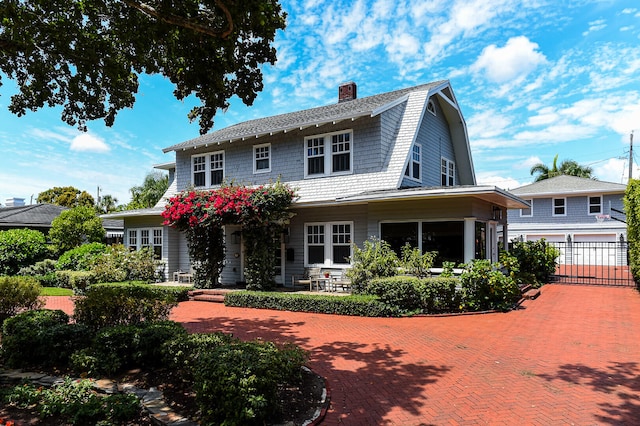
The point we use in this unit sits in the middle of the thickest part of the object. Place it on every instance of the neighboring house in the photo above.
(396, 166)
(40, 216)
(569, 208)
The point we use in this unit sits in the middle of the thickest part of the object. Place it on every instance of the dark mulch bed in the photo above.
(300, 401)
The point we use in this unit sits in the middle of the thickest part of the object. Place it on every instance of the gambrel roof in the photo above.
(568, 185)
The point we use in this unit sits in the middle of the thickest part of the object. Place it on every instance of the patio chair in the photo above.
(342, 281)
(307, 278)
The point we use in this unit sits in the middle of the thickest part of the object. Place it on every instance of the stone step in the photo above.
(219, 298)
(531, 294)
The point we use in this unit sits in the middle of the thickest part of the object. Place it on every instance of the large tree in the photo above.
(75, 227)
(149, 193)
(86, 55)
(66, 196)
(567, 167)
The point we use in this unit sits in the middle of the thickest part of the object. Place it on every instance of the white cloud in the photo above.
(614, 170)
(488, 178)
(488, 124)
(597, 25)
(515, 60)
(629, 11)
(88, 143)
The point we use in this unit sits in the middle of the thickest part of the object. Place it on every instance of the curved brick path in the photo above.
(570, 357)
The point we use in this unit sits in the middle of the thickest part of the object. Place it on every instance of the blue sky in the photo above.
(534, 78)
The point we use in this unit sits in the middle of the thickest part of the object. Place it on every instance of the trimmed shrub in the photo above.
(485, 287)
(41, 337)
(106, 305)
(20, 248)
(183, 352)
(399, 292)
(439, 295)
(237, 383)
(43, 271)
(355, 305)
(416, 263)
(80, 258)
(127, 346)
(17, 294)
(376, 259)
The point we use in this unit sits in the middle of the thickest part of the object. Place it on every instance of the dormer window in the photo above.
(431, 107)
(447, 172)
(414, 166)
(328, 154)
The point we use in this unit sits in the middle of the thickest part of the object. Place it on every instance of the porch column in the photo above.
(469, 238)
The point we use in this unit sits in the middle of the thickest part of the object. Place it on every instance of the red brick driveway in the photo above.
(570, 357)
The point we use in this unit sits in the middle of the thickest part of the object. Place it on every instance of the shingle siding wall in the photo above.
(287, 154)
(576, 210)
(435, 139)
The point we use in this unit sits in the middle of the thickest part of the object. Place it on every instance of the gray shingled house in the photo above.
(395, 165)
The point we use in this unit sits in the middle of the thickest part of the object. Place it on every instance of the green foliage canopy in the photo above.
(66, 196)
(567, 167)
(149, 193)
(632, 210)
(86, 55)
(20, 248)
(75, 227)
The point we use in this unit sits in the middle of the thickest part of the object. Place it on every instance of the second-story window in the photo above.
(207, 169)
(262, 158)
(328, 154)
(595, 205)
(559, 207)
(447, 172)
(529, 211)
(414, 165)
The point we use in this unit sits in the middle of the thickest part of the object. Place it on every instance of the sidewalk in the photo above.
(572, 356)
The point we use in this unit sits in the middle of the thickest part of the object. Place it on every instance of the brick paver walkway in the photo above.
(570, 357)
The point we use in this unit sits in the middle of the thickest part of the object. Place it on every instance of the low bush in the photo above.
(127, 346)
(440, 295)
(356, 305)
(76, 402)
(80, 258)
(41, 337)
(183, 352)
(105, 305)
(237, 383)
(118, 264)
(17, 294)
(537, 261)
(485, 287)
(416, 263)
(400, 292)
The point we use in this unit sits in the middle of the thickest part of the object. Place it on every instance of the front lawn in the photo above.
(56, 291)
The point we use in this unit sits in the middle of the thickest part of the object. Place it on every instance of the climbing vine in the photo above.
(632, 209)
(261, 211)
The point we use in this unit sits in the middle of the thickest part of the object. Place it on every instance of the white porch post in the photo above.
(469, 238)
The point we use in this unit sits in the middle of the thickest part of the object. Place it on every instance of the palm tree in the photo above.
(567, 167)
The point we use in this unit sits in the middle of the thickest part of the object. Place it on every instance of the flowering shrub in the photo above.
(261, 211)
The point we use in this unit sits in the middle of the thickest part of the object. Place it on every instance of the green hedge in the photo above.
(411, 295)
(105, 305)
(16, 294)
(356, 305)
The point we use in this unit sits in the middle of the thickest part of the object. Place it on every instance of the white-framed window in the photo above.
(447, 172)
(431, 107)
(529, 211)
(328, 244)
(413, 169)
(262, 158)
(328, 154)
(138, 238)
(559, 207)
(207, 169)
(595, 204)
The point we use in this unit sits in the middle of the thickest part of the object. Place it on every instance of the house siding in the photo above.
(576, 209)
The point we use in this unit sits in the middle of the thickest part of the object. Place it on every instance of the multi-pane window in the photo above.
(138, 238)
(328, 243)
(208, 169)
(315, 156)
(431, 107)
(595, 205)
(528, 211)
(216, 165)
(199, 165)
(559, 207)
(341, 152)
(413, 167)
(262, 158)
(447, 172)
(328, 154)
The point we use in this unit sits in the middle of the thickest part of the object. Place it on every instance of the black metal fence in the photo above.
(595, 262)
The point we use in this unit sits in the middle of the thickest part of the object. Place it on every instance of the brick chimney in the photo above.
(347, 92)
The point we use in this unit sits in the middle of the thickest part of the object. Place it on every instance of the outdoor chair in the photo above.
(307, 278)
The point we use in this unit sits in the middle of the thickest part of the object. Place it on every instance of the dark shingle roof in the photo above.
(31, 215)
(308, 117)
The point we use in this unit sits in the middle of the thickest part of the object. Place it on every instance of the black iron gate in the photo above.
(594, 262)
